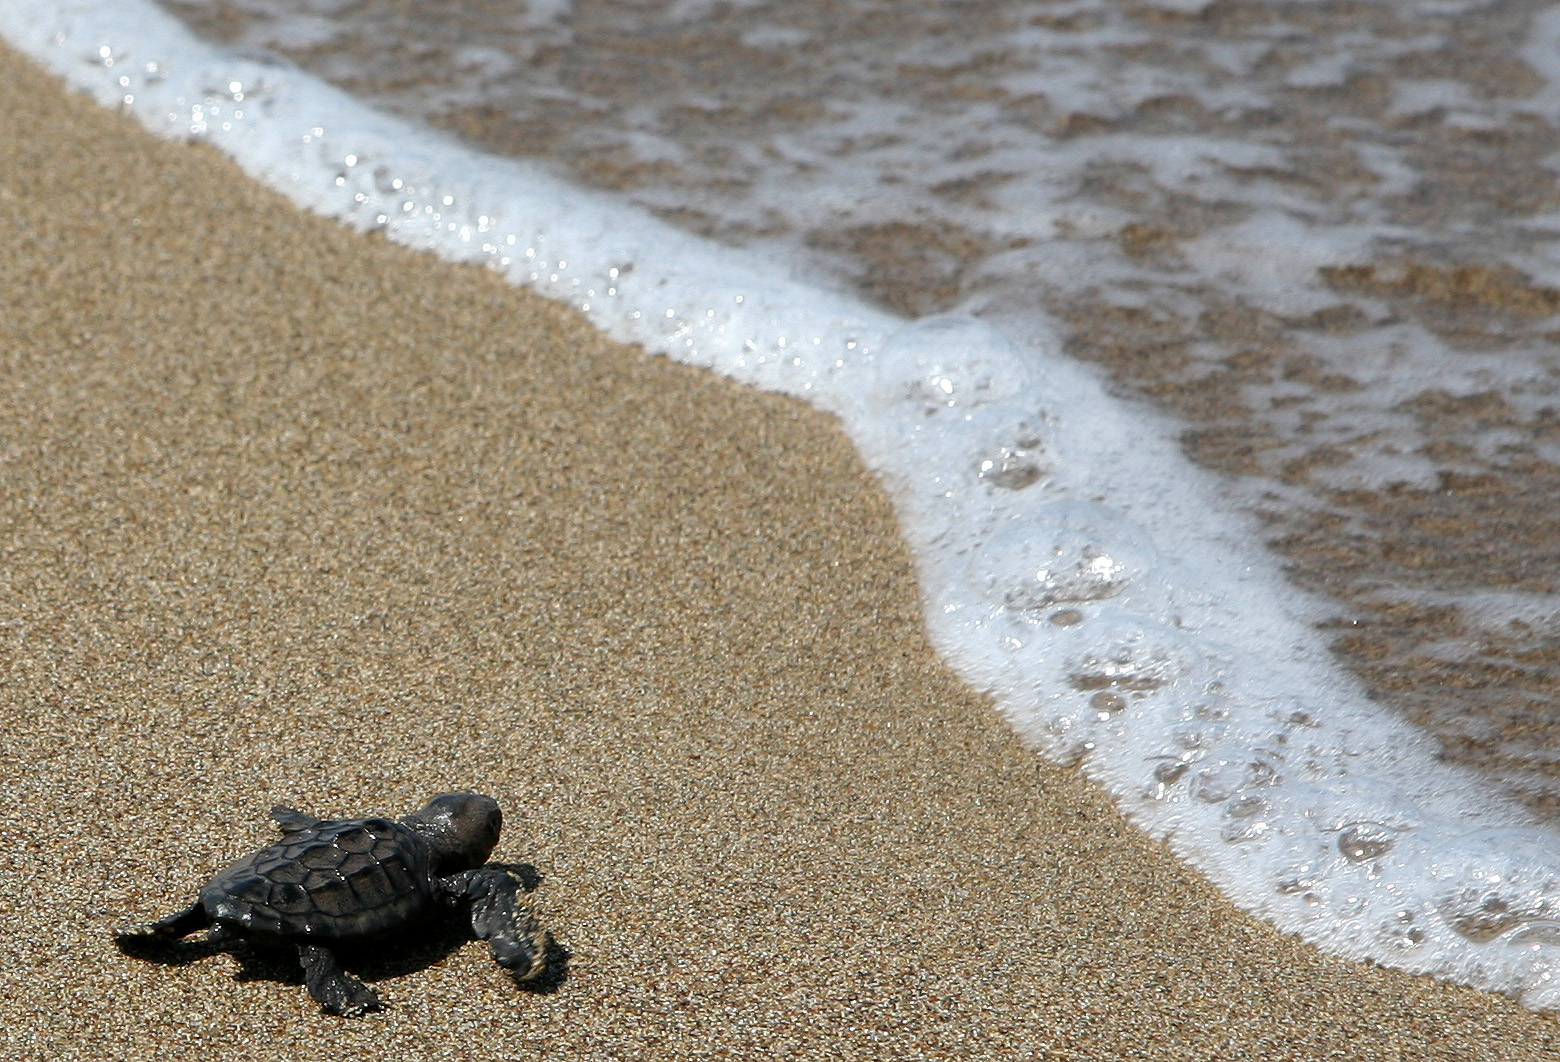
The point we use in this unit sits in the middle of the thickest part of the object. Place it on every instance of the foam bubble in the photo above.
(948, 363)
(1065, 553)
(1506, 882)
(1012, 448)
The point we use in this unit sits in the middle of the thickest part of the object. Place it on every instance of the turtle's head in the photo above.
(461, 827)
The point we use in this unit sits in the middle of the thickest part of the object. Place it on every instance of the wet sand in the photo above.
(290, 514)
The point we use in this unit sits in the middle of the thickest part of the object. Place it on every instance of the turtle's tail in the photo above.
(176, 926)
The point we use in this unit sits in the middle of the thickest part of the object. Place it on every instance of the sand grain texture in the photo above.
(288, 513)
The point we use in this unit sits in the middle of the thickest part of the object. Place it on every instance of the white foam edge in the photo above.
(1092, 581)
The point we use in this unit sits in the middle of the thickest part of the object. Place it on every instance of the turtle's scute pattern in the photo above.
(339, 880)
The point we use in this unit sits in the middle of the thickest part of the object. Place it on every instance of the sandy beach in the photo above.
(290, 514)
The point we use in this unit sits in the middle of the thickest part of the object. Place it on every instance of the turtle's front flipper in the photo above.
(291, 820)
(332, 989)
(518, 941)
(176, 926)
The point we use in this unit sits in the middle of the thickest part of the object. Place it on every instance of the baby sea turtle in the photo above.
(331, 883)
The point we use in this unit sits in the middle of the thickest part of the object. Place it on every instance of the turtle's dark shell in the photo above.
(334, 881)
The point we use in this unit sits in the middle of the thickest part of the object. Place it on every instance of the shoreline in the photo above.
(300, 516)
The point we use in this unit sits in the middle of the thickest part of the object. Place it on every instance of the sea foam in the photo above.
(1074, 565)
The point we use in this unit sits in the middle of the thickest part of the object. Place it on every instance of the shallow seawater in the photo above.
(1310, 245)
(1324, 237)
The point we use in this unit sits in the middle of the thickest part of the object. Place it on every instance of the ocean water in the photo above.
(1208, 350)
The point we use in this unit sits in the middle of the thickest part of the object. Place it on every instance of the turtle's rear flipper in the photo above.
(291, 820)
(518, 941)
(332, 989)
(176, 926)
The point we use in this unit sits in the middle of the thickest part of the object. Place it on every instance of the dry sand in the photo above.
(288, 513)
